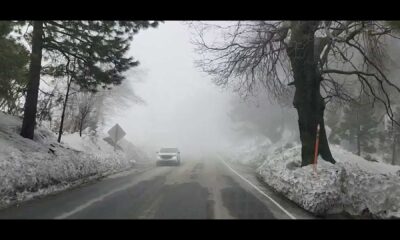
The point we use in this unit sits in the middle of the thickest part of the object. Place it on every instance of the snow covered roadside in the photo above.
(353, 185)
(43, 166)
(251, 153)
(254, 151)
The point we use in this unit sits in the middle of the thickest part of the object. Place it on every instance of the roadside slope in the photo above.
(30, 168)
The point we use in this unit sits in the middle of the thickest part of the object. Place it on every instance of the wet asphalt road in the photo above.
(203, 188)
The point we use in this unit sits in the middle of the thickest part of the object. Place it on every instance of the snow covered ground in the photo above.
(34, 168)
(353, 185)
(254, 151)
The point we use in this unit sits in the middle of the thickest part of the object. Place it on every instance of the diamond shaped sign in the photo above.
(116, 133)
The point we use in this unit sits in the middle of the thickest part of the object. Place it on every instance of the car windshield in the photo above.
(168, 150)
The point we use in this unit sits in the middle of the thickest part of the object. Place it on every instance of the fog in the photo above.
(182, 106)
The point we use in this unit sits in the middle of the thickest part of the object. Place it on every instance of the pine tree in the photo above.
(97, 48)
(359, 127)
(13, 69)
(393, 136)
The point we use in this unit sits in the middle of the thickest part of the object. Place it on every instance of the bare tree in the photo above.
(45, 105)
(70, 74)
(323, 60)
(86, 102)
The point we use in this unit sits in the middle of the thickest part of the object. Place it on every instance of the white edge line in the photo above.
(260, 191)
(97, 199)
(91, 202)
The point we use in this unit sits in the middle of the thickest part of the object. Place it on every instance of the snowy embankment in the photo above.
(42, 166)
(254, 151)
(353, 185)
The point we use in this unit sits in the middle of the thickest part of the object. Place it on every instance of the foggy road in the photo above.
(204, 188)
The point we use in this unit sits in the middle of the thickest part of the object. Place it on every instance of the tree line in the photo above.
(63, 67)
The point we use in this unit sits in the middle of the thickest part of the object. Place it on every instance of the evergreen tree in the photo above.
(90, 53)
(393, 136)
(13, 69)
(359, 127)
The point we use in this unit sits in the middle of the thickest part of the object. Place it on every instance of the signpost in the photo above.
(316, 150)
(116, 133)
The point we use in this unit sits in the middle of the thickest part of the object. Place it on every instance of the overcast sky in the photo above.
(183, 108)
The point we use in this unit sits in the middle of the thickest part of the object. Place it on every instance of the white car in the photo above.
(168, 155)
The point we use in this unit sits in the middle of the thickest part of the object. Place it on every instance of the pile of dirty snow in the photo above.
(31, 168)
(352, 185)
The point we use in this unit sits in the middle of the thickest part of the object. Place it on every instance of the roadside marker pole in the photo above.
(116, 133)
(316, 150)
(116, 137)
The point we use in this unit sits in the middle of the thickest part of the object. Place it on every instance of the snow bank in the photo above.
(353, 184)
(94, 145)
(30, 168)
(254, 151)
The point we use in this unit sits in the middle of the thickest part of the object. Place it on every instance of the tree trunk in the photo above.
(60, 131)
(358, 133)
(80, 128)
(308, 101)
(30, 107)
(358, 141)
(324, 149)
(394, 150)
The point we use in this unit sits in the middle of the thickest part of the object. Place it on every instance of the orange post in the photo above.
(316, 149)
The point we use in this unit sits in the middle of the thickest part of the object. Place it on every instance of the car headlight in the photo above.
(173, 158)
